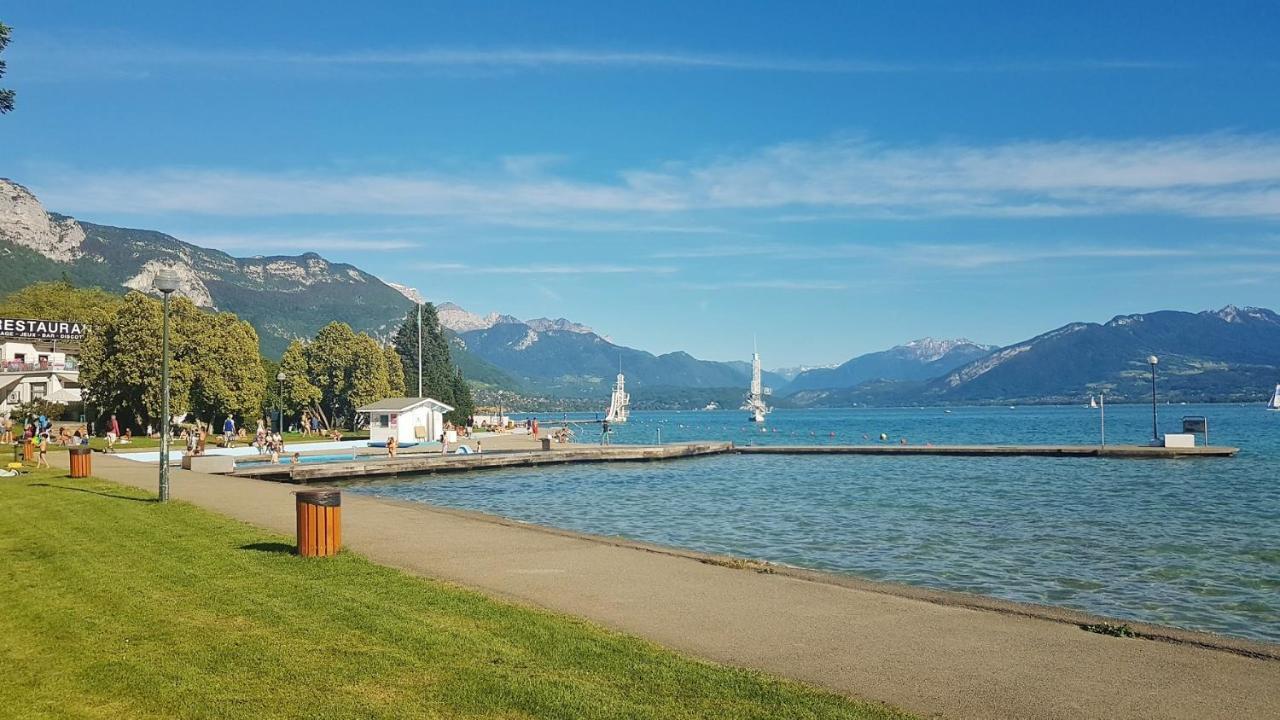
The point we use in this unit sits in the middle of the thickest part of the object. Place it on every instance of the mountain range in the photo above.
(1228, 354)
(283, 297)
(917, 360)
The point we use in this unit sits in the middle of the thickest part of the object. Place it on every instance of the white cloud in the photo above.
(545, 269)
(768, 285)
(1216, 175)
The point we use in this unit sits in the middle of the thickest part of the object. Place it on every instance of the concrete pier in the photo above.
(372, 465)
(427, 462)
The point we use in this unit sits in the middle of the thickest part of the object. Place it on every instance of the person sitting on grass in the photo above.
(128, 436)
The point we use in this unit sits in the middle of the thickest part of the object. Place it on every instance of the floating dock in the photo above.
(427, 462)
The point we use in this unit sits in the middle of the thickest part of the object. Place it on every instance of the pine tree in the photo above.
(440, 378)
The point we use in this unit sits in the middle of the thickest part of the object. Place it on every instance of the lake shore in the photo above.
(924, 651)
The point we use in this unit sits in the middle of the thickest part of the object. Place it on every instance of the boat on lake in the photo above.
(1274, 404)
(754, 403)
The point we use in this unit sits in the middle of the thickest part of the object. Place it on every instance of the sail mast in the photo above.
(419, 349)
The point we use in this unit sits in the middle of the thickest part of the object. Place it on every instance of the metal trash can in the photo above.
(319, 522)
(81, 462)
(546, 443)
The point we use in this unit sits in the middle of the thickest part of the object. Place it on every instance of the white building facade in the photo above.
(408, 420)
(39, 359)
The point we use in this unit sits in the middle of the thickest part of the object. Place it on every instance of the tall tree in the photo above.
(6, 96)
(337, 372)
(440, 378)
(215, 369)
(60, 300)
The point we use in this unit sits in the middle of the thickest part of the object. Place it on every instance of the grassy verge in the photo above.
(118, 607)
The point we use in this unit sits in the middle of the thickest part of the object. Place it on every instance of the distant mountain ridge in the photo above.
(1229, 355)
(916, 360)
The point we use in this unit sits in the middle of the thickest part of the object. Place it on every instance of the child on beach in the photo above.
(42, 449)
(295, 459)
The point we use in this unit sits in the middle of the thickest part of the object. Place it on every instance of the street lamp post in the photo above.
(280, 403)
(166, 281)
(1155, 432)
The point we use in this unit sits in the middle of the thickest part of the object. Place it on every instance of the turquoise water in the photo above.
(1187, 542)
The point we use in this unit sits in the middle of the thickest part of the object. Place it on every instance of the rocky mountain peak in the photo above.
(25, 222)
(928, 349)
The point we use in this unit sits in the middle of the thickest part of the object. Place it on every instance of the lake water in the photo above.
(1187, 542)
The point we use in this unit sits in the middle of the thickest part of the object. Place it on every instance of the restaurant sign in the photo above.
(41, 329)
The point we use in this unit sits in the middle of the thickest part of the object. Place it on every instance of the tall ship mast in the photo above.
(619, 402)
(755, 398)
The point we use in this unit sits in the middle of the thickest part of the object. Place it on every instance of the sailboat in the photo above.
(619, 402)
(755, 398)
(1275, 399)
(1093, 402)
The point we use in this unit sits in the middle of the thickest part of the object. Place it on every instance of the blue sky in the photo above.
(835, 178)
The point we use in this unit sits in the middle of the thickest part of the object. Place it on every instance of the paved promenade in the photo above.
(920, 653)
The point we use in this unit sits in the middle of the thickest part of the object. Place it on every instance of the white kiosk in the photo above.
(408, 420)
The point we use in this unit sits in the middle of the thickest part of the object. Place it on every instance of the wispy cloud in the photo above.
(1216, 175)
(62, 57)
(768, 285)
(260, 242)
(545, 269)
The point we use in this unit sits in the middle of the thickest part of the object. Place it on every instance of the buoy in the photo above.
(884, 437)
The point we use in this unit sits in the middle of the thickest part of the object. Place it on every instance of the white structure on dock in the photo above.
(408, 420)
(619, 402)
(755, 398)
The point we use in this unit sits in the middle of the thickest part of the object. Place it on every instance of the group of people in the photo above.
(268, 442)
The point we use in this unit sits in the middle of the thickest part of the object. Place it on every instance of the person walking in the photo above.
(229, 431)
(604, 433)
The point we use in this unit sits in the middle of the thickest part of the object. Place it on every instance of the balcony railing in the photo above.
(14, 366)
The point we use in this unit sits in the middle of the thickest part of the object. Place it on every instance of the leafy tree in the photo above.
(440, 378)
(337, 372)
(6, 96)
(36, 408)
(214, 366)
(60, 300)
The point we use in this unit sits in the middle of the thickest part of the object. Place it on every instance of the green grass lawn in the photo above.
(114, 606)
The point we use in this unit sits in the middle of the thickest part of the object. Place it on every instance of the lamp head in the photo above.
(1152, 360)
(280, 376)
(166, 281)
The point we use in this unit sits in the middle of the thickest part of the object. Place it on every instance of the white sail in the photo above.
(755, 399)
(1275, 399)
(1093, 402)
(619, 403)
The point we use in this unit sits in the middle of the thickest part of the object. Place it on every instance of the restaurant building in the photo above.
(39, 359)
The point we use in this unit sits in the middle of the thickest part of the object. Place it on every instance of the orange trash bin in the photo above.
(319, 522)
(81, 462)
(28, 451)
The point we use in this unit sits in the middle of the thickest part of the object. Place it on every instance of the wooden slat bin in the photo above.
(81, 462)
(319, 522)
